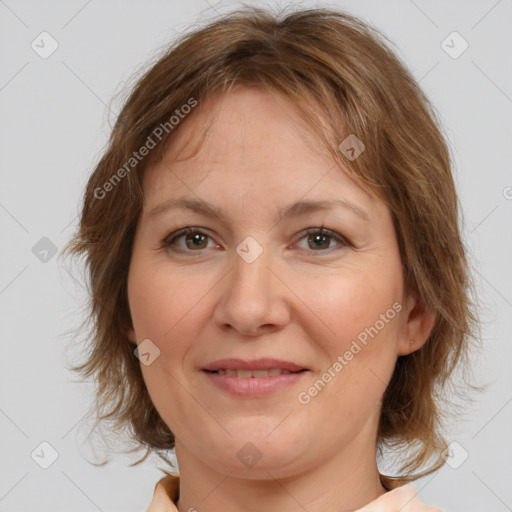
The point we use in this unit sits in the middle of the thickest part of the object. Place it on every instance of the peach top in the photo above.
(403, 498)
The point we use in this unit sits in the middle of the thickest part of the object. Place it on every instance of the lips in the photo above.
(245, 374)
(254, 379)
(265, 367)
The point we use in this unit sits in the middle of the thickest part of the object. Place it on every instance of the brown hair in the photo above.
(342, 77)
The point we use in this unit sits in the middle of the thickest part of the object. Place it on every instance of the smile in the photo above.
(253, 378)
(245, 374)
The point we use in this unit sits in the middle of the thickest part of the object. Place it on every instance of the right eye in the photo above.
(192, 240)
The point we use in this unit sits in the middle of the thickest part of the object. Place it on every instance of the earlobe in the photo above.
(130, 333)
(418, 327)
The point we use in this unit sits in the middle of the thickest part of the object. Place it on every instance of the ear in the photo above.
(418, 326)
(130, 334)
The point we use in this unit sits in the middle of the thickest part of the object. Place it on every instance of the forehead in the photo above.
(244, 123)
(249, 143)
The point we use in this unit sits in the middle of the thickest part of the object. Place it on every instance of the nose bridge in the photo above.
(251, 278)
(252, 295)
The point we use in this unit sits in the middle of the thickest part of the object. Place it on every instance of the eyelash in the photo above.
(167, 243)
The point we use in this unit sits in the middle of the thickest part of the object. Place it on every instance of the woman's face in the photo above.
(271, 343)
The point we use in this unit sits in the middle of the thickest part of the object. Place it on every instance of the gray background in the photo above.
(55, 119)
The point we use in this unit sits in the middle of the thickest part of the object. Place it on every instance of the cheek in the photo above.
(356, 325)
(344, 306)
(164, 305)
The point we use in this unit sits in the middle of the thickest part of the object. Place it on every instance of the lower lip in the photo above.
(254, 387)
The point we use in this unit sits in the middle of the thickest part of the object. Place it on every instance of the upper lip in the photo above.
(256, 364)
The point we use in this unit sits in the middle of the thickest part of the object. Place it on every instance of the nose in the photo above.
(253, 298)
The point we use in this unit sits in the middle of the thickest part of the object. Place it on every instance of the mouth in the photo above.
(247, 374)
(253, 379)
(244, 368)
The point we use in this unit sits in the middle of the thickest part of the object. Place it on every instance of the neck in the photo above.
(345, 482)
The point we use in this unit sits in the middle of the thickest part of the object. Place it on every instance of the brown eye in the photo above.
(196, 240)
(321, 240)
(193, 238)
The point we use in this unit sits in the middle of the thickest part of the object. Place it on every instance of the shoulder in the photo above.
(166, 494)
(403, 498)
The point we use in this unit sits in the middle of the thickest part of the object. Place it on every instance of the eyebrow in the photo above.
(296, 209)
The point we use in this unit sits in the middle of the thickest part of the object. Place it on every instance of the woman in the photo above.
(278, 283)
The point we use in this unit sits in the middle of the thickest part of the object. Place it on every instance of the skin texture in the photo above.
(297, 301)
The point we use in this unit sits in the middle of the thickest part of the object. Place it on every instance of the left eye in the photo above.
(320, 238)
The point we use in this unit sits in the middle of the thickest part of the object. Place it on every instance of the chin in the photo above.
(253, 452)
(278, 465)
